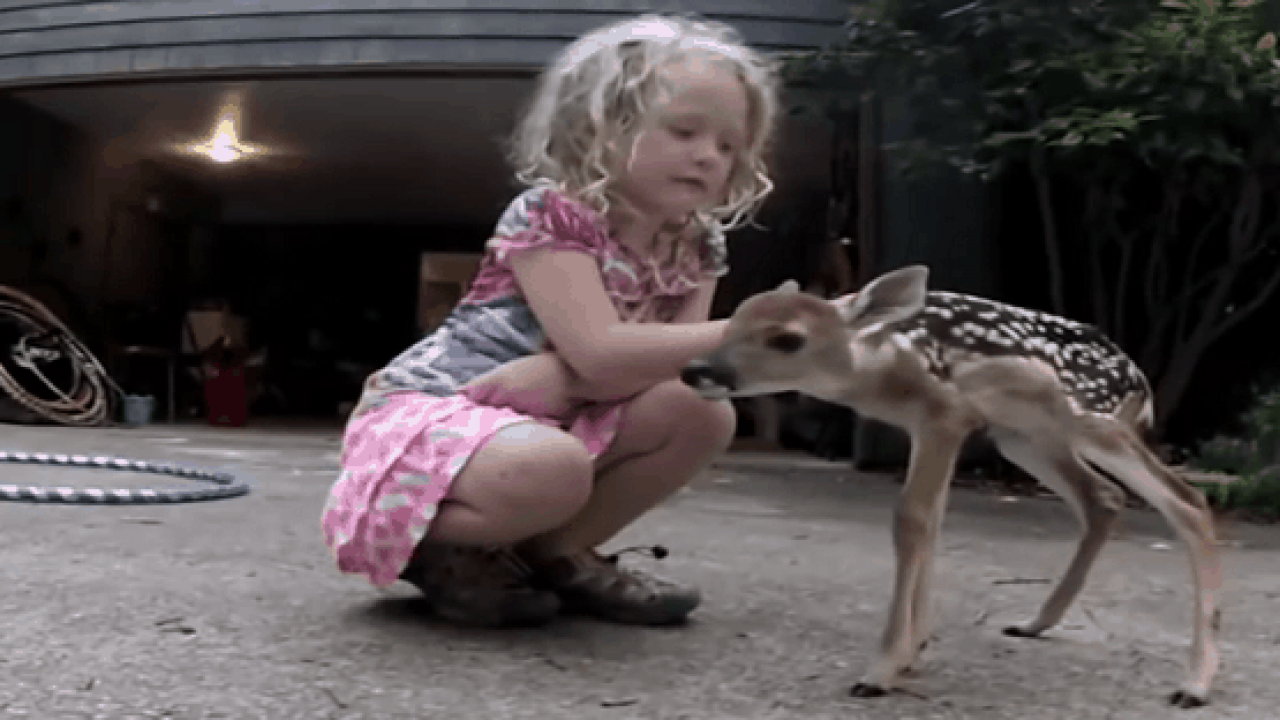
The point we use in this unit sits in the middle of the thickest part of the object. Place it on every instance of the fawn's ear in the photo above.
(789, 286)
(889, 298)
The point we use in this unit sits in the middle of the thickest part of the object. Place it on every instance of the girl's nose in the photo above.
(706, 152)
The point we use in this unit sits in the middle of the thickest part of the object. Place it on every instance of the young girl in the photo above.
(487, 463)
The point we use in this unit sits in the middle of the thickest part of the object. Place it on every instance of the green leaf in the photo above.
(1004, 138)
(1070, 139)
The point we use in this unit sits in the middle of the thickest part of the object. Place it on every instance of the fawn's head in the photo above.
(784, 340)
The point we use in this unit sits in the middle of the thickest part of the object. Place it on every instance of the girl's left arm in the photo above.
(696, 309)
(543, 384)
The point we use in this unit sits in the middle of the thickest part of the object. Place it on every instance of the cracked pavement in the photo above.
(232, 609)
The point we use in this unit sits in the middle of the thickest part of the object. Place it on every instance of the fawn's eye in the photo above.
(785, 342)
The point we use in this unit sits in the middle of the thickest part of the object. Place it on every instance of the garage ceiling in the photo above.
(344, 149)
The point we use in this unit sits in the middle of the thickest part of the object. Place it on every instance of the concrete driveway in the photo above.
(232, 609)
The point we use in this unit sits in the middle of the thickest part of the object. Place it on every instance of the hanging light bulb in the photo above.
(225, 145)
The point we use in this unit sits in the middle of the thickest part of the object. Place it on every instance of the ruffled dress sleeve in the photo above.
(541, 218)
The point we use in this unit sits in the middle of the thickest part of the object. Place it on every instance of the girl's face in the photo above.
(687, 144)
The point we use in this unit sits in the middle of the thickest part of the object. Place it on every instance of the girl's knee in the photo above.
(569, 471)
(723, 422)
(536, 474)
(690, 416)
(715, 426)
(554, 479)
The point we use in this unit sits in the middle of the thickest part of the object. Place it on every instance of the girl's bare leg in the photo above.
(668, 436)
(527, 479)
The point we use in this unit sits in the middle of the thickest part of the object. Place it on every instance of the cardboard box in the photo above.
(208, 326)
(444, 278)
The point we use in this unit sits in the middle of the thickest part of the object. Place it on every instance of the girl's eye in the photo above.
(682, 133)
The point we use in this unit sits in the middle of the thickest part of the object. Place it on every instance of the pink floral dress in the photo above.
(414, 429)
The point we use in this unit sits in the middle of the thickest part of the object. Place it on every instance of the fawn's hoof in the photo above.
(1018, 632)
(864, 690)
(1186, 700)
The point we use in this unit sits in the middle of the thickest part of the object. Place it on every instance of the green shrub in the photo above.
(1255, 460)
(1224, 455)
(1258, 493)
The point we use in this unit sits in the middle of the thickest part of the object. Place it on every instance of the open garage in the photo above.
(314, 220)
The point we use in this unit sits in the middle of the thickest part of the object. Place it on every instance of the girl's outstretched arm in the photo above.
(566, 293)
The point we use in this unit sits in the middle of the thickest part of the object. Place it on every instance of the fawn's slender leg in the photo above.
(922, 604)
(1186, 510)
(1096, 503)
(933, 456)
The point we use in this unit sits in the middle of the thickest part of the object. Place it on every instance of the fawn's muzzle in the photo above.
(703, 376)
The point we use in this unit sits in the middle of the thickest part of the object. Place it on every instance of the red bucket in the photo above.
(225, 395)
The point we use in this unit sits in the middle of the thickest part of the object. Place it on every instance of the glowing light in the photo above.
(223, 154)
(225, 145)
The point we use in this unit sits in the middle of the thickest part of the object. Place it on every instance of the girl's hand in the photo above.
(540, 385)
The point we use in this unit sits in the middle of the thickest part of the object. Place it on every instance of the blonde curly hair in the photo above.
(589, 103)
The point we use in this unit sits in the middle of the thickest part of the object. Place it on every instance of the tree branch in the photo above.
(1234, 318)
(1246, 214)
(1049, 225)
(1198, 244)
(1158, 267)
(1122, 286)
(1125, 241)
(1190, 287)
(1152, 359)
(1187, 350)
(1092, 210)
(1244, 228)
(1213, 306)
(1221, 280)
(1187, 297)
(1181, 306)
(1244, 223)
(1175, 311)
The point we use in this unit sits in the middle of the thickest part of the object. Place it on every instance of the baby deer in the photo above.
(1056, 397)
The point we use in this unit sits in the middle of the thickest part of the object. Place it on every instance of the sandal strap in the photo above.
(657, 552)
(595, 584)
(607, 575)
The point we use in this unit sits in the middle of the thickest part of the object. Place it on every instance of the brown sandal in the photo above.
(596, 585)
(479, 586)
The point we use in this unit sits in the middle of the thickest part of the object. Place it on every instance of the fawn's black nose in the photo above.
(692, 376)
(700, 375)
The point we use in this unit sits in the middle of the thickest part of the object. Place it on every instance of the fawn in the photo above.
(1056, 397)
